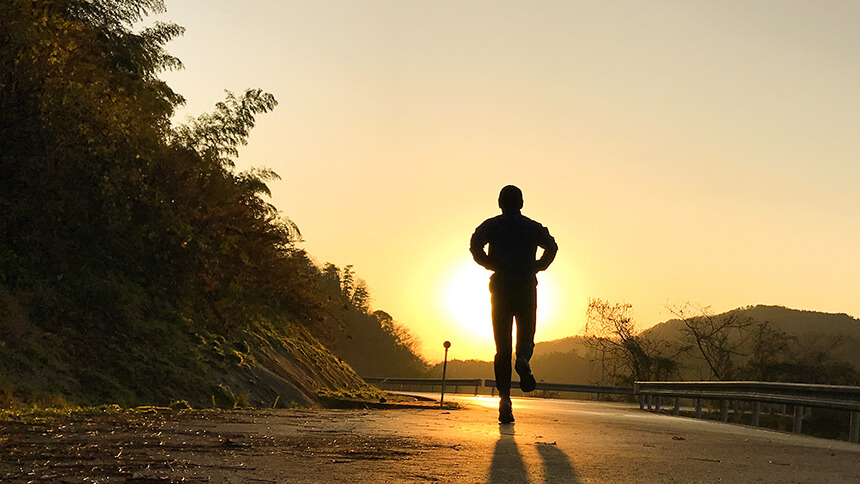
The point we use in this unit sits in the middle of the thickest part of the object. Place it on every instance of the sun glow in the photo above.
(466, 299)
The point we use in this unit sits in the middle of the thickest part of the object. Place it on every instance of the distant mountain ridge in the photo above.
(802, 324)
(791, 321)
(568, 360)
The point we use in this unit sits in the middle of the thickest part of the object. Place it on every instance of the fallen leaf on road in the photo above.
(232, 444)
(705, 460)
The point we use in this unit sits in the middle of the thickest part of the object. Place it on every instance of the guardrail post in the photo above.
(724, 410)
(446, 345)
(677, 410)
(854, 433)
(648, 400)
(641, 402)
(798, 419)
(755, 413)
(598, 396)
(698, 408)
(657, 403)
(476, 389)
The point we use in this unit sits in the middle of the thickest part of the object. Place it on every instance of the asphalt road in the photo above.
(552, 441)
(578, 441)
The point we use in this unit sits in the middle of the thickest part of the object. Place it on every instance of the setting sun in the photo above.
(466, 299)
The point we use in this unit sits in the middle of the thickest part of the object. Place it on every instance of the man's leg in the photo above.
(526, 321)
(502, 329)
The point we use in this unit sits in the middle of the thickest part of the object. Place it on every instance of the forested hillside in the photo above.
(767, 343)
(762, 343)
(372, 342)
(137, 265)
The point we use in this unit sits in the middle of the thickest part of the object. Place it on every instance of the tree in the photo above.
(776, 356)
(131, 246)
(399, 333)
(626, 355)
(769, 351)
(82, 120)
(721, 341)
(373, 343)
(122, 235)
(736, 346)
(217, 135)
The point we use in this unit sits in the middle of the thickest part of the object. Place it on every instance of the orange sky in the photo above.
(678, 151)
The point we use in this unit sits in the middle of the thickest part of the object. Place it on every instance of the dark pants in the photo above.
(512, 301)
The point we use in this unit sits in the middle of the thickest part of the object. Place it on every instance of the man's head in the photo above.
(510, 199)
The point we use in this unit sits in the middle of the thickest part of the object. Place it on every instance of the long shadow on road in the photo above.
(556, 464)
(508, 465)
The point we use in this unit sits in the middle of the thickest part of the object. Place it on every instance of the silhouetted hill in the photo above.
(793, 321)
(373, 343)
(571, 360)
(557, 361)
(807, 326)
(564, 345)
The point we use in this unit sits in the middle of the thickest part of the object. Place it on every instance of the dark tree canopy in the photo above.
(125, 236)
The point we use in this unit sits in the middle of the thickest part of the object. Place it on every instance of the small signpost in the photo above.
(447, 345)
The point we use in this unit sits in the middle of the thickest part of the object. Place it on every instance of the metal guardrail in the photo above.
(477, 383)
(800, 395)
(565, 387)
(431, 382)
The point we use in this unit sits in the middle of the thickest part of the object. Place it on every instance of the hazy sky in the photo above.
(678, 151)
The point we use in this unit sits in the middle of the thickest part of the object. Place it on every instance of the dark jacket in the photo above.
(512, 241)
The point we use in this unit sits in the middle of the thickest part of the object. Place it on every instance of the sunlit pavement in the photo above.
(552, 441)
(583, 441)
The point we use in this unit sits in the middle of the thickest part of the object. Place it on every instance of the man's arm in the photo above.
(550, 248)
(476, 247)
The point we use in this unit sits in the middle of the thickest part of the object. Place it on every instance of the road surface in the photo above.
(551, 441)
(579, 441)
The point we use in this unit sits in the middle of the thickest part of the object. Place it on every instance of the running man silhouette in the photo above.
(512, 240)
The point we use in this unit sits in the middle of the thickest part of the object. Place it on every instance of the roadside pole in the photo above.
(447, 345)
